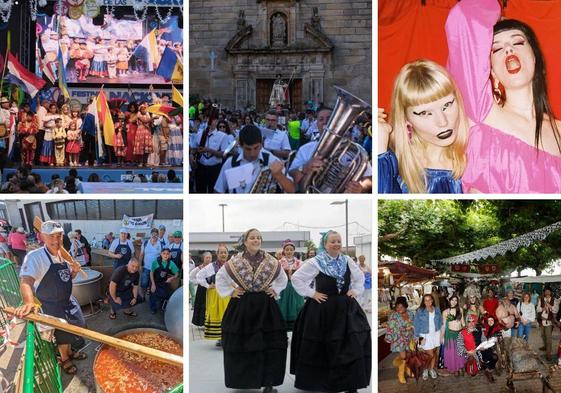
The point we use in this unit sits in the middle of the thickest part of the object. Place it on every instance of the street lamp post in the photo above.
(223, 205)
(346, 203)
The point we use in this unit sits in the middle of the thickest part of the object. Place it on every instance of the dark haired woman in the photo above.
(132, 125)
(514, 144)
(331, 344)
(453, 318)
(254, 335)
(199, 305)
(399, 334)
(290, 302)
(428, 322)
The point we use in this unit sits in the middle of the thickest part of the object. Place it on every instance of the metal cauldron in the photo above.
(122, 333)
(173, 316)
(87, 290)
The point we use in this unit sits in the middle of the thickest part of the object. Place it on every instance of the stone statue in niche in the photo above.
(241, 20)
(316, 20)
(279, 31)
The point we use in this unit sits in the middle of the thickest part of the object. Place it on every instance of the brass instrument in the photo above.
(265, 183)
(346, 160)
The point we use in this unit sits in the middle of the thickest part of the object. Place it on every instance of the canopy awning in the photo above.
(403, 272)
(537, 279)
(503, 247)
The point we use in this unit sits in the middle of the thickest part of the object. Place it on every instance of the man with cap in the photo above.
(176, 249)
(149, 252)
(162, 273)
(47, 276)
(121, 249)
(123, 288)
(162, 236)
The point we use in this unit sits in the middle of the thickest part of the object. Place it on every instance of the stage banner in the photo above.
(460, 268)
(143, 222)
(161, 3)
(83, 94)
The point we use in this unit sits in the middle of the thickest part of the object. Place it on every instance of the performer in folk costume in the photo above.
(254, 335)
(122, 59)
(111, 58)
(83, 62)
(26, 131)
(120, 139)
(331, 344)
(99, 63)
(174, 153)
(215, 304)
(290, 302)
(73, 146)
(143, 138)
(59, 136)
(48, 147)
(132, 125)
(199, 305)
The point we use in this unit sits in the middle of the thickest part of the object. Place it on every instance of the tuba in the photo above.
(346, 160)
(265, 182)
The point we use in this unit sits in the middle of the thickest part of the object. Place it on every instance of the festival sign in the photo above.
(83, 94)
(143, 222)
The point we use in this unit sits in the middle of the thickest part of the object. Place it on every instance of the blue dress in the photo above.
(439, 181)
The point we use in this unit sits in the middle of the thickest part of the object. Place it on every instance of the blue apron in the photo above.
(55, 294)
(161, 274)
(176, 255)
(125, 250)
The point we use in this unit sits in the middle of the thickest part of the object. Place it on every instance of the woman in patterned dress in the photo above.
(453, 318)
(143, 144)
(399, 333)
(120, 139)
(254, 335)
(175, 142)
(132, 125)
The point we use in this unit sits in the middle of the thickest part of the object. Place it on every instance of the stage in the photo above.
(131, 188)
(106, 174)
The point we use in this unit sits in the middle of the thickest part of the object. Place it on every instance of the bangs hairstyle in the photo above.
(419, 83)
(542, 107)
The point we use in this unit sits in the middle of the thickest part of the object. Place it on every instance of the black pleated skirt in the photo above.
(254, 341)
(199, 307)
(331, 348)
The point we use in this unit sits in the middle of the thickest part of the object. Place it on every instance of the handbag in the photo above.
(3, 130)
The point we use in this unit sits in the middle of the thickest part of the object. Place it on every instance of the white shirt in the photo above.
(431, 322)
(527, 311)
(151, 252)
(36, 264)
(304, 155)
(204, 273)
(225, 285)
(193, 275)
(303, 279)
(221, 185)
(216, 140)
(275, 139)
(116, 243)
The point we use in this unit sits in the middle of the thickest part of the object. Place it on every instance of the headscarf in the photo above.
(332, 267)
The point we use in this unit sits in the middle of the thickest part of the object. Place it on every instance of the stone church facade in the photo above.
(237, 48)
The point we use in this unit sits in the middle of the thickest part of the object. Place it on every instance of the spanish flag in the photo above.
(105, 118)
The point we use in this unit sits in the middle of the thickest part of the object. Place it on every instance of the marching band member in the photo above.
(253, 153)
(275, 138)
(304, 164)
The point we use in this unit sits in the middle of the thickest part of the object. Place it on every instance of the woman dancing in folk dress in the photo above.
(331, 345)
(215, 304)
(143, 144)
(254, 335)
(290, 302)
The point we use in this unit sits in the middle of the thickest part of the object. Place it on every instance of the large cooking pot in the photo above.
(173, 316)
(87, 289)
(120, 334)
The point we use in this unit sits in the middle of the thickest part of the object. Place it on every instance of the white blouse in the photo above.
(225, 285)
(193, 275)
(304, 278)
(204, 273)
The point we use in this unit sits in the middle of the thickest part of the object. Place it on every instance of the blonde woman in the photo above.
(427, 134)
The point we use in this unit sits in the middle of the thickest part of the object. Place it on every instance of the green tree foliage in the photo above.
(424, 230)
